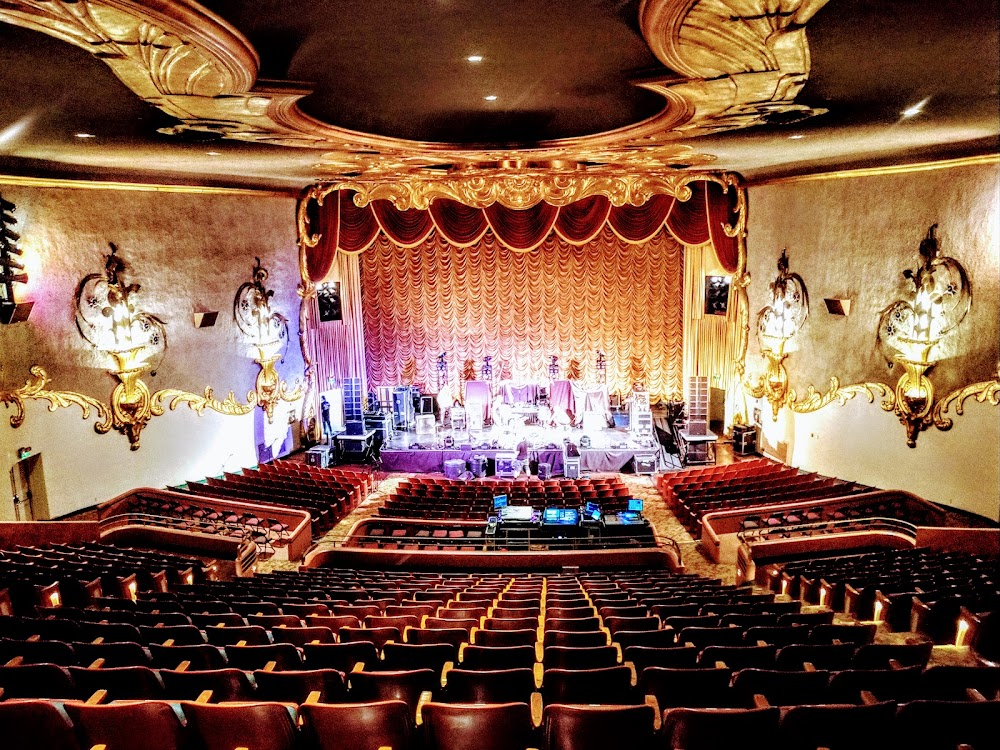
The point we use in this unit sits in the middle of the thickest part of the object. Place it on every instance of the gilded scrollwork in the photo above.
(814, 400)
(986, 392)
(733, 65)
(230, 406)
(35, 389)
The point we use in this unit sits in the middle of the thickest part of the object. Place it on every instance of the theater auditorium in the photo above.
(455, 375)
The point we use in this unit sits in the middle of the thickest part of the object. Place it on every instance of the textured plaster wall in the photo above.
(189, 252)
(853, 238)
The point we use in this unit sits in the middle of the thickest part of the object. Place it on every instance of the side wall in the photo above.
(189, 252)
(852, 238)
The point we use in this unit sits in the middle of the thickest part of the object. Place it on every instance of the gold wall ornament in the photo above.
(814, 400)
(987, 392)
(777, 323)
(108, 317)
(911, 331)
(174, 398)
(36, 389)
(733, 65)
(265, 331)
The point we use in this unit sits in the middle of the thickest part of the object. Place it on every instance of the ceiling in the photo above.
(391, 79)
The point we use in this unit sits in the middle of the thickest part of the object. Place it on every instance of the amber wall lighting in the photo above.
(109, 318)
(777, 324)
(265, 332)
(911, 331)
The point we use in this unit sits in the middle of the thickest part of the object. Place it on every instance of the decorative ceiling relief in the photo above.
(731, 65)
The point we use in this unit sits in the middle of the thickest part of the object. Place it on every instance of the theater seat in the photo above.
(142, 725)
(503, 726)
(716, 728)
(225, 684)
(261, 726)
(32, 725)
(121, 683)
(358, 726)
(944, 682)
(885, 684)
(692, 688)
(943, 725)
(296, 685)
(490, 686)
(340, 656)
(403, 686)
(610, 685)
(568, 727)
(37, 681)
(569, 657)
(838, 727)
(497, 657)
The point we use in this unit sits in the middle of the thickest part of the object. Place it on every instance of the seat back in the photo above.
(507, 637)
(400, 656)
(339, 656)
(497, 657)
(838, 727)
(943, 725)
(598, 727)
(30, 725)
(358, 726)
(295, 686)
(403, 686)
(714, 728)
(609, 685)
(503, 726)
(225, 684)
(490, 686)
(37, 681)
(579, 657)
(142, 725)
(122, 683)
(262, 726)
(690, 688)
(780, 687)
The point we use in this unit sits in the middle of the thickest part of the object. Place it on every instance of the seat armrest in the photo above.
(448, 666)
(650, 700)
(539, 670)
(97, 698)
(759, 701)
(536, 708)
(618, 651)
(539, 651)
(425, 698)
(868, 698)
(975, 696)
(313, 698)
(205, 696)
(96, 664)
(635, 677)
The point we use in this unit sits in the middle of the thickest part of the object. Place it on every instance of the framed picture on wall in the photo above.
(328, 299)
(716, 295)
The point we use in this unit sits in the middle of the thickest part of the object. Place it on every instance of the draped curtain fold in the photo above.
(699, 220)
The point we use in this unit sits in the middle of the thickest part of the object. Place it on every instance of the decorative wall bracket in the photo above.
(777, 323)
(265, 331)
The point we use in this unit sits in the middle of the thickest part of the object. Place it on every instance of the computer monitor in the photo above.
(592, 511)
(561, 517)
(635, 504)
(629, 517)
(499, 501)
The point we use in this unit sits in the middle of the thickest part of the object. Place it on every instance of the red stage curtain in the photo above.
(721, 207)
(522, 308)
(358, 227)
(405, 228)
(696, 221)
(324, 220)
(638, 223)
(578, 223)
(522, 230)
(461, 225)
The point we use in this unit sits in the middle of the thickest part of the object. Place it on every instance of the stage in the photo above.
(611, 449)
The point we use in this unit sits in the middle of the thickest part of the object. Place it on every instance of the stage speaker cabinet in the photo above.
(744, 439)
(318, 457)
(507, 465)
(544, 471)
(353, 399)
(426, 426)
(645, 463)
(355, 427)
(571, 468)
(475, 418)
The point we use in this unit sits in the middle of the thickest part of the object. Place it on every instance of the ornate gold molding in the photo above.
(986, 392)
(230, 406)
(814, 401)
(733, 65)
(36, 390)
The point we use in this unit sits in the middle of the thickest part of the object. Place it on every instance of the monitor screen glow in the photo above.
(499, 501)
(561, 516)
(635, 504)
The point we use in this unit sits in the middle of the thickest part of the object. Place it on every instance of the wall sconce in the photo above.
(777, 323)
(266, 333)
(109, 318)
(911, 331)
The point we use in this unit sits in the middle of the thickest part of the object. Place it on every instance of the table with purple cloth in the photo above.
(519, 394)
(561, 397)
(604, 460)
(418, 460)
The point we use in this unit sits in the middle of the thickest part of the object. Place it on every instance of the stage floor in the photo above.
(611, 449)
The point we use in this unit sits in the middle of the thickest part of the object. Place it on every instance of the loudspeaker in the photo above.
(328, 301)
(14, 312)
(205, 319)
(716, 295)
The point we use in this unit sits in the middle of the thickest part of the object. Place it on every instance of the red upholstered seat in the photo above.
(295, 686)
(406, 686)
(142, 725)
(599, 727)
(715, 728)
(504, 726)
(358, 726)
(261, 726)
(31, 725)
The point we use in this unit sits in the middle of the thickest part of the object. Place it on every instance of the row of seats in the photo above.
(154, 725)
(451, 499)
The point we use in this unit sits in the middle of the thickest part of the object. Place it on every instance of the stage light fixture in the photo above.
(911, 331)
(490, 97)
(777, 323)
(474, 58)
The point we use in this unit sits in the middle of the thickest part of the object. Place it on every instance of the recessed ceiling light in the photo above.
(85, 135)
(475, 58)
(490, 97)
(916, 109)
(796, 137)
(213, 153)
